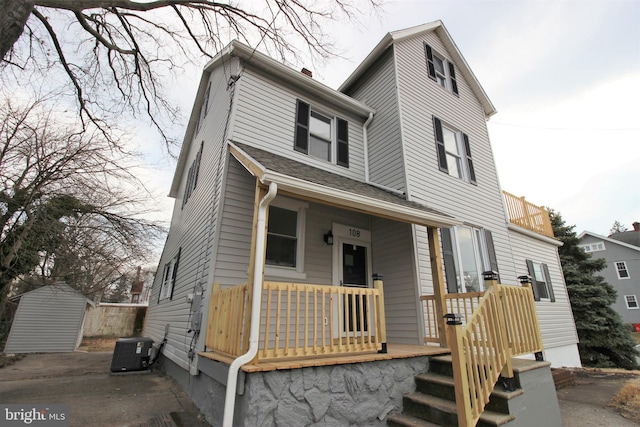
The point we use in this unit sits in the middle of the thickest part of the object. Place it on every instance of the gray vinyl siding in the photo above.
(265, 118)
(48, 320)
(234, 243)
(420, 99)
(193, 229)
(556, 318)
(393, 259)
(377, 88)
(615, 252)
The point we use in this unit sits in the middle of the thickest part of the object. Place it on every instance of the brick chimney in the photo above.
(636, 226)
(307, 72)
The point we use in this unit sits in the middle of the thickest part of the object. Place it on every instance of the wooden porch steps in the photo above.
(433, 402)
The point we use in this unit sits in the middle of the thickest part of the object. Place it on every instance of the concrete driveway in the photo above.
(95, 397)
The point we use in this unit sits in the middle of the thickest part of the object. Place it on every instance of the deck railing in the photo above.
(503, 325)
(224, 328)
(527, 215)
(463, 304)
(301, 320)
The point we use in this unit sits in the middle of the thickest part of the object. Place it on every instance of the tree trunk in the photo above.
(12, 21)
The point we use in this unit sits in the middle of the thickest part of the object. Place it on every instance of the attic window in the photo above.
(441, 70)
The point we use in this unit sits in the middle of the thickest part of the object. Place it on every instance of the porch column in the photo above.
(260, 192)
(437, 276)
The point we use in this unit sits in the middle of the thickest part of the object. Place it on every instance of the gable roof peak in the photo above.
(456, 56)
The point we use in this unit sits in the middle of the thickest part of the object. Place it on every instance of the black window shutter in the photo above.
(449, 261)
(343, 143)
(452, 74)
(206, 100)
(302, 128)
(534, 283)
(493, 261)
(197, 164)
(467, 150)
(552, 296)
(442, 155)
(430, 66)
(175, 272)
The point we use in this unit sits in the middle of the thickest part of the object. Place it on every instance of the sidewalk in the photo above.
(97, 398)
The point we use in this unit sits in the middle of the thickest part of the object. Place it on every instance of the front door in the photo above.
(354, 274)
(351, 268)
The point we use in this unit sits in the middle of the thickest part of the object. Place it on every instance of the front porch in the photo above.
(394, 351)
(268, 329)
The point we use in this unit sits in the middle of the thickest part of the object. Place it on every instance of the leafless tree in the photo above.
(115, 53)
(70, 208)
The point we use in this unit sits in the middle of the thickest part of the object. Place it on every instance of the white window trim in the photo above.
(166, 288)
(546, 281)
(615, 264)
(333, 144)
(482, 260)
(448, 85)
(290, 272)
(626, 301)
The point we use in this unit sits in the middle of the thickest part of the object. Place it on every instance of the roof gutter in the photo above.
(258, 269)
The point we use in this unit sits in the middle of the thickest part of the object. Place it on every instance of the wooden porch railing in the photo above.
(463, 304)
(224, 328)
(503, 325)
(301, 320)
(528, 215)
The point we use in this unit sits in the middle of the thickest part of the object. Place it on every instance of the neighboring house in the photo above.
(48, 319)
(335, 223)
(622, 253)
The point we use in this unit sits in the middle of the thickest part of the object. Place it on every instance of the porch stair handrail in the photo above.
(503, 325)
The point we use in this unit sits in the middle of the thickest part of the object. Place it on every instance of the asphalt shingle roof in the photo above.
(299, 170)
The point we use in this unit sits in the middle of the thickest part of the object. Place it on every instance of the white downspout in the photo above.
(258, 267)
(366, 147)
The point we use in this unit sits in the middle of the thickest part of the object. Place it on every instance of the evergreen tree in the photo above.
(605, 341)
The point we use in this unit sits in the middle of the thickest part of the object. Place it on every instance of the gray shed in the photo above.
(48, 320)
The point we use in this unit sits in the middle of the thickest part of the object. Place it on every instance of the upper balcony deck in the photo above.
(527, 215)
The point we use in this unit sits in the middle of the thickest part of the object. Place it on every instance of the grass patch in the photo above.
(627, 400)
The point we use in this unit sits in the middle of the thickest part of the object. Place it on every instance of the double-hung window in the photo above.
(192, 176)
(632, 302)
(540, 281)
(621, 269)
(454, 151)
(441, 70)
(285, 238)
(169, 275)
(321, 136)
(467, 253)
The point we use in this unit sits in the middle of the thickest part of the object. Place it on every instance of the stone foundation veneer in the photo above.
(337, 395)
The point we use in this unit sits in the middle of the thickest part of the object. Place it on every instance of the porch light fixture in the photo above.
(328, 238)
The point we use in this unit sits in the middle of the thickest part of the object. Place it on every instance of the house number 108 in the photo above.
(354, 232)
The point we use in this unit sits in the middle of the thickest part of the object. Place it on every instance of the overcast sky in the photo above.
(565, 79)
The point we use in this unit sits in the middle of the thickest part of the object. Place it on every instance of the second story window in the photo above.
(441, 70)
(192, 176)
(621, 269)
(454, 152)
(321, 136)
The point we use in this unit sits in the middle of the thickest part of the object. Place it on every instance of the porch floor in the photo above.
(394, 351)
